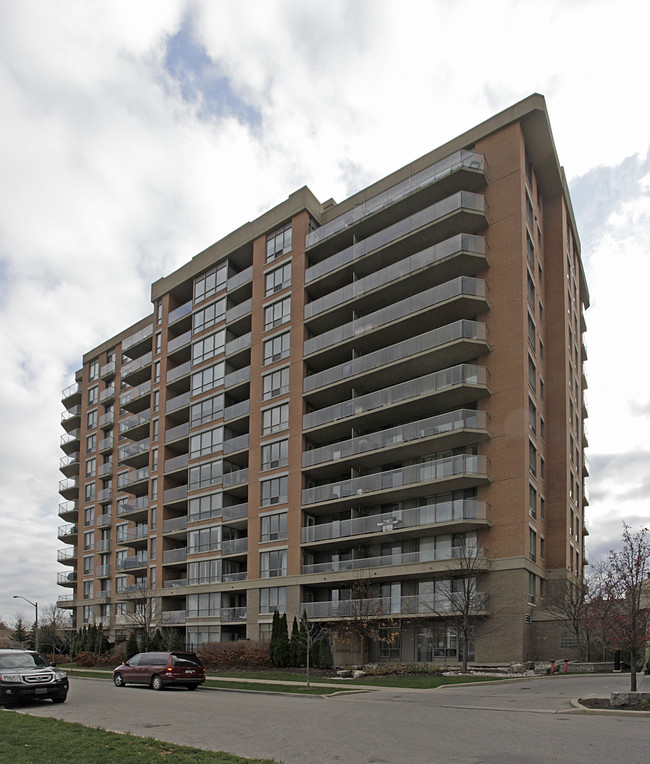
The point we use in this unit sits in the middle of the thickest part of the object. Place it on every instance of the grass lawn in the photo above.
(34, 740)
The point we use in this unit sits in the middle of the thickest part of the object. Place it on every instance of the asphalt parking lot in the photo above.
(507, 722)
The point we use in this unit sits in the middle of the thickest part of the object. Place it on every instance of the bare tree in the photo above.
(55, 629)
(625, 583)
(458, 598)
(308, 638)
(363, 617)
(568, 601)
(143, 614)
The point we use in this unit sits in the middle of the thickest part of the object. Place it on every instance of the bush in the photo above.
(403, 669)
(232, 656)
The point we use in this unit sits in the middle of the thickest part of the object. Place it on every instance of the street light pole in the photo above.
(35, 606)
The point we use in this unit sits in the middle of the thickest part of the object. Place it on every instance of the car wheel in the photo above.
(59, 700)
(157, 682)
(192, 686)
(118, 680)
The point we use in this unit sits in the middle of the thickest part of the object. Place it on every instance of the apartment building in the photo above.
(336, 405)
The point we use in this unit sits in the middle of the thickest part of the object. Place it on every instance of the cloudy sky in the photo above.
(136, 133)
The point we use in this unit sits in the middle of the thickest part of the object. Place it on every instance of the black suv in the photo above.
(26, 675)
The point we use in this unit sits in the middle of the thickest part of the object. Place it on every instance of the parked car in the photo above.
(160, 670)
(26, 675)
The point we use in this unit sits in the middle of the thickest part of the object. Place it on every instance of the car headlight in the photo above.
(10, 677)
(60, 675)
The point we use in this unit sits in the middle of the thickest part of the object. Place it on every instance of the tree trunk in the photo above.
(632, 671)
(308, 651)
(361, 640)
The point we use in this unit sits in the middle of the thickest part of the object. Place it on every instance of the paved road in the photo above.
(505, 723)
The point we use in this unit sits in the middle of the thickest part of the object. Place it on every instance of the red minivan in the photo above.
(160, 670)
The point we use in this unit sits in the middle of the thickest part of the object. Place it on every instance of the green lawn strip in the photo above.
(419, 682)
(264, 687)
(29, 739)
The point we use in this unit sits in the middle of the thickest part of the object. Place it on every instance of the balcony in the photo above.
(105, 445)
(238, 345)
(71, 395)
(462, 255)
(176, 494)
(462, 212)
(382, 607)
(463, 515)
(455, 428)
(237, 378)
(238, 576)
(238, 311)
(236, 411)
(68, 533)
(407, 558)
(439, 475)
(235, 515)
(235, 478)
(103, 571)
(178, 343)
(239, 279)
(176, 433)
(68, 510)
(105, 469)
(107, 419)
(585, 466)
(105, 495)
(233, 614)
(453, 300)
(136, 426)
(69, 488)
(134, 537)
(176, 463)
(443, 389)
(174, 583)
(175, 526)
(174, 556)
(65, 601)
(173, 616)
(66, 579)
(135, 481)
(234, 546)
(137, 371)
(107, 394)
(180, 312)
(178, 402)
(105, 520)
(69, 465)
(67, 556)
(107, 370)
(240, 443)
(136, 509)
(71, 418)
(459, 160)
(137, 342)
(136, 399)
(134, 454)
(183, 370)
(132, 563)
(450, 344)
(70, 441)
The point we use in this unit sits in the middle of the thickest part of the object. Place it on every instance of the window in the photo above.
(532, 502)
(88, 590)
(152, 549)
(531, 331)
(204, 507)
(158, 342)
(530, 250)
(541, 507)
(532, 417)
(275, 419)
(273, 564)
(206, 442)
(531, 290)
(93, 371)
(274, 527)
(205, 475)
(209, 347)
(203, 605)
(278, 313)
(156, 400)
(206, 410)
(275, 454)
(92, 419)
(210, 282)
(277, 279)
(120, 586)
(204, 540)
(91, 465)
(89, 541)
(541, 548)
(88, 565)
(532, 541)
(273, 598)
(91, 443)
(278, 242)
(209, 316)
(204, 572)
(275, 383)
(276, 348)
(274, 491)
(531, 588)
(532, 459)
(532, 373)
(156, 371)
(89, 492)
(208, 378)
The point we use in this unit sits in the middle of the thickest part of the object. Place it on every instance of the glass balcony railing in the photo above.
(179, 342)
(134, 476)
(461, 510)
(463, 374)
(462, 200)
(386, 606)
(107, 419)
(243, 277)
(139, 363)
(406, 558)
(71, 413)
(177, 313)
(69, 529)
(107, 369)
(238, 344)
(178, 402)
(138, 533)
(406, 433)
(234, 512)
(107, 394)
(63, 555)
(237, 377)
(461, 243)
(175, 555)
(134, 393)
(236, 444)
(69, 391)
(176, 462)
(237, 477)
(236, 410)
(173, 616)
(462, 286)
(233, 614)
(68, 461)
(426, 472)
(459, 330)
(234, 546)
(237, 311)
(455, 161)
(180, 431)
(179, 371)
(143, 334)
(135, 420)
(175, 494)
(133, 449)
(134, 505)
(130, 563)
(70, 437)
(175, 524)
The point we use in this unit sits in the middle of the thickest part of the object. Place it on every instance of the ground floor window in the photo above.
(390, 644)
(441, 643)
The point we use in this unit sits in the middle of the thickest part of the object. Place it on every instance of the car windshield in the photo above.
(22, 661)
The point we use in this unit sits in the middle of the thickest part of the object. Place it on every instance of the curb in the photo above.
(578, 708)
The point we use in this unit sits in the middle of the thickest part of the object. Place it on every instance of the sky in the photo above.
(137, 133)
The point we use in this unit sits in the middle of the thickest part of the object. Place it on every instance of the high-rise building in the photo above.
(358, 410)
